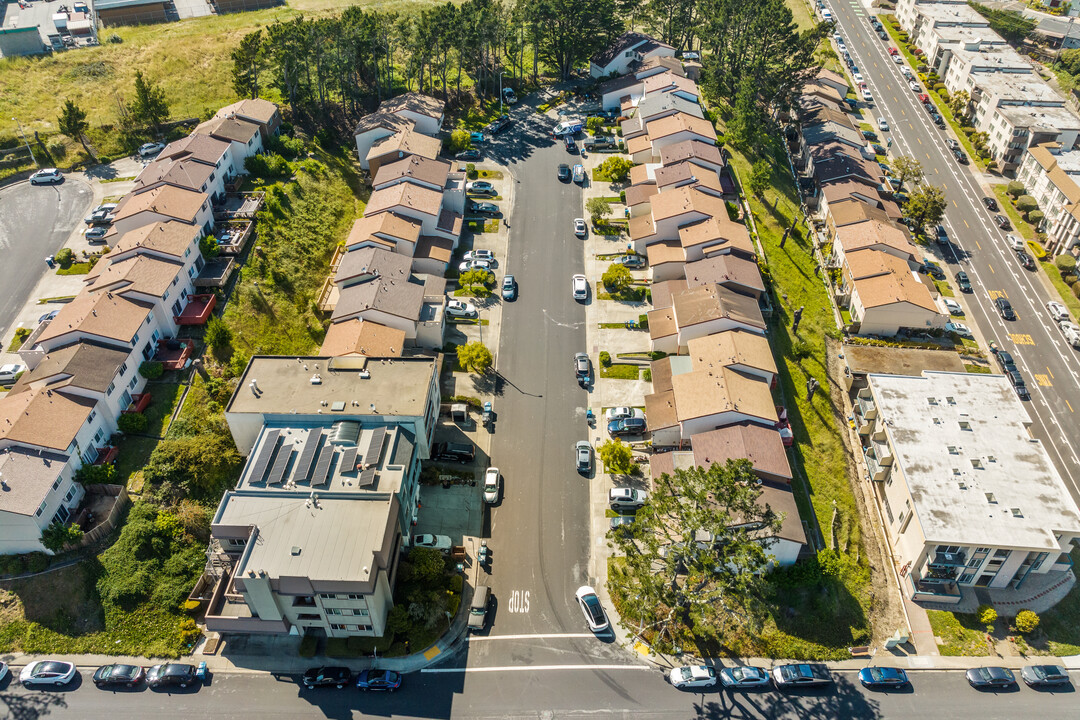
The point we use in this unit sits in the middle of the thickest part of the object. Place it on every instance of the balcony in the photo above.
(174, 354)
(1064, 562)
(878, 473)
(931, 590)
(197, 311)
(882, 450)
(139, 401)
(106, 455)
(947, 561)
(865, 414)
(227, 615)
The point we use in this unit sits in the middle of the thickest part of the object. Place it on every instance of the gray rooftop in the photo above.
(82, 365)
(28, 477)
(1040, 117)
(975, 474)
(663, 102)
(288, 385)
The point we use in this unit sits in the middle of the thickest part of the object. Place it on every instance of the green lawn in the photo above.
(1059, 628)
(1064, 290)
(976, 368)
(134, 452)
(165, 396)
(960, 634)
(1019, 224)
(944, 288)
(81, 268)
(621, 371)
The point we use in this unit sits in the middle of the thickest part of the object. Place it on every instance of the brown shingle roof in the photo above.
(661, 374)
(637, 194)
(718, 233)
(254, 108)
(667, 81)
(169, 238)
(44, 418)
(186, 173)
(232, 129)
(662, 292)
(434, 248)
(642, 226)
(728, 269)
(683, 171)
(414, 102)
(638, 144)
(626, 41)
(385, 120)
(846, 212)
(660, 410)
(639, 175)
(385, 224)
(711, 302)
(414, 167)
(760, 445)
(662, 323)
(407, 141)
(666, 251)
(834, 191)
(362, 337)
(167, 200)
(874, 232)
(83, 365)
(672, 65)
(884, 279)
(389, 286)
(203, 148)
(690, 149)
(107, 315)
(732, 347)
(405, 195)
(680, 122)
(681, 200)
(702, 393)
(142, 273)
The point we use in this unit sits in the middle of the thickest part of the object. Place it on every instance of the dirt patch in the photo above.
(64, 600)
(886, 610)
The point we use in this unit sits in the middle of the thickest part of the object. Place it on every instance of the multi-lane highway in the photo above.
(1048, 363)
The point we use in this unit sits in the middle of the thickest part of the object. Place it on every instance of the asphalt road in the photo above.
(35, 222)
(1048, 364)
(534, 694)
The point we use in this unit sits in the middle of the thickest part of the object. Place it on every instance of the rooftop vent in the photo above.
(991, 458)
(976, 463)
(931, 400)
(950, 399)
(991, 499)
(953, 450)
(962, 485)
(295, 550)
(1017, 513)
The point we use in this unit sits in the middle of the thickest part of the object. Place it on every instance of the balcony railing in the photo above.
(197, 311)
(946, 560)
(940, 592)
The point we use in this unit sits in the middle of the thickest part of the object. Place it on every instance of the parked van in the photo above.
(478, 609)
(600, 142)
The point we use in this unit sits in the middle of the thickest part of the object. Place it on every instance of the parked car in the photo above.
(989, 202)
(1057, 311)
(434, 542)
(499, 124)
(118, 675)
(580, 228)
(867, 96)
(1017, 381)
(460, 308)
(480, 254)
(480, 187)
(478, 607)
(9, 372)
(482, 208)
(626, 426)
(47, 176)
(952, 306)
(858, 77)
(47, 672)
(692, 676)
(622, 413)
(579, 174)
(101, 215)
(990, 677)
(96, 234)
(571, 145)
(47, 316)
(373, 679)
(1044, 675)
(915, 88)
(1004, 308)
(869, 134)
(882, 124)
(580, 287)
(883, 677)
(804, 675)
(583, 456)
(582, 364)
(150, 149)
(492, 481)
(960, 156)
(1014, 242)
(963, 282)
(633, 262)
(893, 51)
(960, 329)
(743, 677)
(170, 675)
(1005, 361)
(470, 155)
(509, 287)
(452, 452)
(1026, 261)
(327, 676)
(474, 265)
(600, 142)
(626, 498)
(932, 269)
(1002, 222)
(591, 609)
(563, 173)
(477, 137)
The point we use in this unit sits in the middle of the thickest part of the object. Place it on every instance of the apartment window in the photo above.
(335, 626)
(177, 308)
(147, 353)
(1002, 553)
(237, 542)
(175, 279)
(362, 612)
(353, 628)
(966, 578)
(57, 483)
(354, 596)
(948, 548)
(327, 596)
(135, 340)
(149, 317)
(191, 271)
(333, 611)
(125, 399)
(109, 390)
(41, 508)
(199, 263)
(307, 616)
(133, 383)
(70, 494)
(365, 628)
(99, 436)
(165, 296)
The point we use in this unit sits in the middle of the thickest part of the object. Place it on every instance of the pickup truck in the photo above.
(568, 127)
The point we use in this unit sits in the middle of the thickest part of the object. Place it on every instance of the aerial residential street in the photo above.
(1046, 361)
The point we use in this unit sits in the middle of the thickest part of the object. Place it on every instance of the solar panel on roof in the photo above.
(374, 447)
(307, 455)
(322, 467)
(262, 460)
(348, 460)
(277, 472)
(367, 478)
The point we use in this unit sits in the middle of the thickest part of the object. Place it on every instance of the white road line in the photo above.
(537, 636)
(537, 668)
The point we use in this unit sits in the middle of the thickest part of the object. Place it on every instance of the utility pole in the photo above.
(26, 142)
(501, 93)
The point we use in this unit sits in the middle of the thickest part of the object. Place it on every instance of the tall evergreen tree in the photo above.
(149, 107)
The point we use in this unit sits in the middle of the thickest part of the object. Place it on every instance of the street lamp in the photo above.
(26, 142)
(501, 92)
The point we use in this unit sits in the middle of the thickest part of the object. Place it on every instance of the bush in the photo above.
(37, 562)
(800, 349)
(1026, 203)
(12, 565)
(1015, 189)
(605, 358)
(1066, 264)
(324, 138)
(58, 535)
(96, 474)
(470, 171)
(308, 645)
(643, 321)
(938, 87)
(615, 168)
(1035, 217)
(131, 422)
(616, 278)
(459, 141)
(1026, 621)
(987, 615)
(622, 196)
(646, 375)
(267, 166)
(64, 257)
(151, 369)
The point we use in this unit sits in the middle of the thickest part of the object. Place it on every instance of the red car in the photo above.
(893, 51)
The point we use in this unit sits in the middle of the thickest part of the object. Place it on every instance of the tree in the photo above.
(72, 123)
(1026, 621)
(925, 205)
(218, 336)
(208, 245)
(617, 457)
(987, 615)
(907, 169)
(64, 257)
(474, 357)
(1066, 264)
(1035, 217)
(760, 174)
(150, 107)
(744, 129)
(694, 555)
(58, 535)
(1015, 189)
(474, 278)
(428, 564)
(459, 140)
(617, 278)
(1026, 203)
(1009, 24)
(568, 32)
(616, 168)
(1071, 60)
(597, 208)
(249, 59)
(958, 104)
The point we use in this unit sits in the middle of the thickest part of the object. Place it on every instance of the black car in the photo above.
(1005, 360)
(564, 173)
(571, 145)
(883, 677)
(626, 426)
(630, 261)
(960, 157)
(1002, 222)
(499, 124)
(468, 155)
(482, 208)
(869, 134)
(1044, 675)
(1004, 308)
(795, 676)
(118, 675)
(990, 203)
(942, 235)
(933, 271)
(170, 674)
(452, 452)
(990, 677)
(1025, 260)
(938, 120)
(327, 676)
(1017, 381)
(962, 282)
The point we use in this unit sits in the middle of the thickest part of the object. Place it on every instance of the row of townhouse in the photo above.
(711, 396)
(83, 362)
(878, 283)
(387, 291)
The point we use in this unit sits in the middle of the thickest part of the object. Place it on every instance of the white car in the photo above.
(579, 227)
(491, 485)
(882, 124)
(437, 542)
(47, 672)
(897, 59)
(952, 306)
(840, 46)
(960, 329)
(867, 96)
(150, 149)
(1058, 312)
(580, 287)
(480, 255)
(914, 86)
(906, 72)
(590, 607)
(474, 265)
(8, 373)
(626, 498)
(1014, 242)
(47, 176)
(692, 676)
(826, 15)
(858, 78)
(622, 413)
(1069, 328)
(460, 308)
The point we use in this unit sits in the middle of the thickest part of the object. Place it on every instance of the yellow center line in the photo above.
(978, 245)
(1049, 371)
(990, 266)
(966, 225)
(919, 139)
(1070, 406)
(953, 202)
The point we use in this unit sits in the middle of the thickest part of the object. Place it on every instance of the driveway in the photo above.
(35, 222)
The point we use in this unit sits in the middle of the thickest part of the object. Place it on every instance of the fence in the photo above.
(106, 526)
